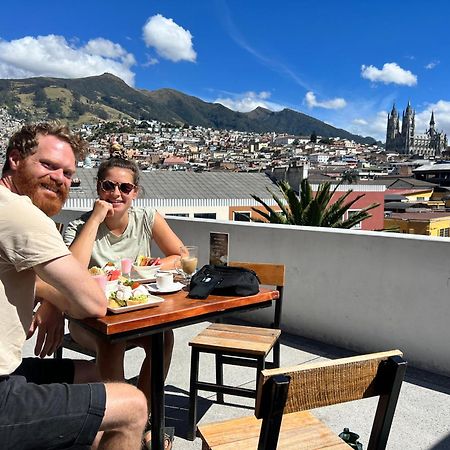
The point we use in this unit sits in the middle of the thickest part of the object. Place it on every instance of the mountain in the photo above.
(107, 97)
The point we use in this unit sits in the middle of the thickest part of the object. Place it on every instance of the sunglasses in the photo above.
(110, 186)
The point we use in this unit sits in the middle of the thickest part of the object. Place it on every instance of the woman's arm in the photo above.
(168, 242)
(83, 244)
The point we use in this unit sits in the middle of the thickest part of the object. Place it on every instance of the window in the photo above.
(241, 216)
(444, 232)
(350, 214)
(205, 215)
(177, 214)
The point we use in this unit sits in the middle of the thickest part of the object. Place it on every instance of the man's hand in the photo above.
(49, 321)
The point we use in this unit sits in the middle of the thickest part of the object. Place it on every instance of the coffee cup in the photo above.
(164, 281)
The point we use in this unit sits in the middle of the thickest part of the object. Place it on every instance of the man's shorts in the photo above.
(51, 416)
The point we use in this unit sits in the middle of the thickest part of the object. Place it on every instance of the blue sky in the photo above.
(344, 62)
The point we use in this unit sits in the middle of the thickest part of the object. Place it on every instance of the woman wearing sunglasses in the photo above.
(115, 229)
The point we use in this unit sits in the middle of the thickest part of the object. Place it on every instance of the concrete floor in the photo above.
(422, 419)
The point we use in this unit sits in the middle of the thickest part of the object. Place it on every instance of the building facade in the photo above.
(425, 222)
(402, 138)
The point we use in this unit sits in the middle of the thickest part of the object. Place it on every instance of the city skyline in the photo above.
(345, 63)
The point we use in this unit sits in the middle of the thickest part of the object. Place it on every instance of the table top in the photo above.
(176, 310)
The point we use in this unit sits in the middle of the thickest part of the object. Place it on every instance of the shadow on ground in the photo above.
(442, 445)
(177, 408)
(419, 377)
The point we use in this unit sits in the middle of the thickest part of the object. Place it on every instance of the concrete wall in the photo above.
(367, 291)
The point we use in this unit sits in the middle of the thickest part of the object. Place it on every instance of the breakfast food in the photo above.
(114, 274)
(112, 303)
(94, 270)
(142, 260)
(127, 294)
(109, 269)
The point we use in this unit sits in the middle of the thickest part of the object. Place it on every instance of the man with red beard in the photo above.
(44, 404)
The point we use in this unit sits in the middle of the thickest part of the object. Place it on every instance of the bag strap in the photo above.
(205, 286)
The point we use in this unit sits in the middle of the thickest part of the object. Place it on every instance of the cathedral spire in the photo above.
(394, 111)
(408, 109)
(432, 122)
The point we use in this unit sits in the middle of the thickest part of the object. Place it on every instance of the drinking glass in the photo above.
(125, 265)
(188, 261)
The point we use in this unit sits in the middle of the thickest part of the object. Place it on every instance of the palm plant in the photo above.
(312, 210)
(349, 176)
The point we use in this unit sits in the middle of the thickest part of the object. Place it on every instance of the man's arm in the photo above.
(83, 244)
(70, 288)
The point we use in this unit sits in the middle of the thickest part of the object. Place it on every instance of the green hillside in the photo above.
(107, 97)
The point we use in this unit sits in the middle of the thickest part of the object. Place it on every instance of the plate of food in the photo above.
(145, 268)
(130, 296)
(111, 272)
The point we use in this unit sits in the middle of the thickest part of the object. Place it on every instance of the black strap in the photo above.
(206, 285)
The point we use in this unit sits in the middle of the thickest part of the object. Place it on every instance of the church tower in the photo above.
(432, 130)
(393, 129)
(408, 142)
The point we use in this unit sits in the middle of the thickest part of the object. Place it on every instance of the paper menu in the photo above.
(218, 248)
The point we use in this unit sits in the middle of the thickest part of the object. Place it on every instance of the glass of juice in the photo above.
(125, 265)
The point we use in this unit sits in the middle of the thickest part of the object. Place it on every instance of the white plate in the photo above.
(142, 280)
(152, 300)
(176, 286)
(145, 272)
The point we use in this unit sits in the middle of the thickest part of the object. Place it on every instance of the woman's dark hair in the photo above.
(122, 163)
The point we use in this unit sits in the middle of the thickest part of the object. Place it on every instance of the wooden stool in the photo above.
(237, 345)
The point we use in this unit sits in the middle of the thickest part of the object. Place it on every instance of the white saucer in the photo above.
(175, 287)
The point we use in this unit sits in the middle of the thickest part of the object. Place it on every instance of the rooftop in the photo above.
(421, 420)
(420, 215)
(356, 291)
(188, 185)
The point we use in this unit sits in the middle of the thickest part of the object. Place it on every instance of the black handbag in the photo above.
(223, 280)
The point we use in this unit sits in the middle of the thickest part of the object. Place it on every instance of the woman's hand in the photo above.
(102, 209)
(83, 244)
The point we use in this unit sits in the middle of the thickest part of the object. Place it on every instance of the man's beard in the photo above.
(31, 186)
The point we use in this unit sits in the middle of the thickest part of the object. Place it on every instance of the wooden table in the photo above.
(176, 311)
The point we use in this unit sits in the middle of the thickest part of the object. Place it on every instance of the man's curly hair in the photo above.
(26, 140)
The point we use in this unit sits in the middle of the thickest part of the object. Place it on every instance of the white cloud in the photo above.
(441, 111)
(335, 103)
(390, 73)
(248, 101)
(374, 126)
(432, 64)
(53, 56)
(151, 61)
(104, 47)
(360, 122)
(169, 39)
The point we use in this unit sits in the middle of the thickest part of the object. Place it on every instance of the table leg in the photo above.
(157, 390)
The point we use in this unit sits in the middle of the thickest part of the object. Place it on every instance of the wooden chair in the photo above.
(237, 345)
(285, 395)
(69, 344)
